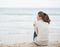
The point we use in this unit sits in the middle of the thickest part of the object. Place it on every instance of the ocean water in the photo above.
(16, 24)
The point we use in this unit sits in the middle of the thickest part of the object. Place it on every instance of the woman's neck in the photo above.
(40, 20)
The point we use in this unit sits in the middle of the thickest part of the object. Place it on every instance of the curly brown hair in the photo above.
(44, 16)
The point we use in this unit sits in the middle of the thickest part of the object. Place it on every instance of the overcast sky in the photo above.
(29, 3)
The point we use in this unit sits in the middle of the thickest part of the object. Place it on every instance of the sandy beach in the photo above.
(29, 45)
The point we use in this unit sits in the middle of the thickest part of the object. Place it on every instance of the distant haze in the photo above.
(29, 3)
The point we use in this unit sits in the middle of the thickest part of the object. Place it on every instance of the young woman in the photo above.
(41, 28)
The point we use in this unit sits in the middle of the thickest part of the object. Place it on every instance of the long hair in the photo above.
(44, 16)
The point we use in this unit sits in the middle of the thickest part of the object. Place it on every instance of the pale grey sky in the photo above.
(29, 3)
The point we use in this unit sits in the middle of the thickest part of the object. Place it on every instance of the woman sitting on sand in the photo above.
(41, 27)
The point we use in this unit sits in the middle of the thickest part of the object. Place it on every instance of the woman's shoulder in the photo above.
(42, 23)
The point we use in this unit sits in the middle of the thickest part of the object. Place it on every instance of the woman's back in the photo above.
(42, 30)
(42, 36)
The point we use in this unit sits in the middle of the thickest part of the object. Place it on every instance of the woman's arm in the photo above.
(35, 27)
(37, 30)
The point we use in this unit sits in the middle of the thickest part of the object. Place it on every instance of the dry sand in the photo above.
(29, 45)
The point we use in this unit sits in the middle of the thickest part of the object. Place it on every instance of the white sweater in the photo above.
(42, 31)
